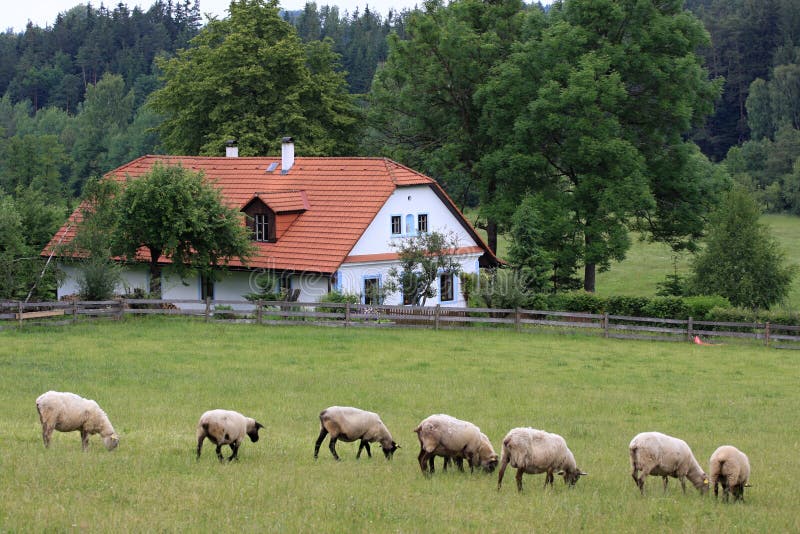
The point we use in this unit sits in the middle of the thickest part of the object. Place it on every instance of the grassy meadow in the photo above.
(154, 377)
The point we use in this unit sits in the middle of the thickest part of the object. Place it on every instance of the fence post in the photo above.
(766, 334)
(259, 311)
(74, 311)
(690, 330)
(208, 308)
(516, 319)
(19, 315)
(605, 324)
(121, 304)
(346, 314)
(437, 312)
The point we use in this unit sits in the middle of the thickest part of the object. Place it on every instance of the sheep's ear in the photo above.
(581, 473)
(259, 425)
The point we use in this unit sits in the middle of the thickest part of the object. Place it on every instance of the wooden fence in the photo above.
(15, 314)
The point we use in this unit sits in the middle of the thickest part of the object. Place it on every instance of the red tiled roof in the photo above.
(340, 196)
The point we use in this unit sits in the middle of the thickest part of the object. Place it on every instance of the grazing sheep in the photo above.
(536, 451)
(349, 424)
(226, 427)
(730, 468)
(67, 412)
(455, 439)
(654, 453)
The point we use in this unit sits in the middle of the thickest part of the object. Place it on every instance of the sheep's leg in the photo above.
(503, 465)
(235, 448)
(219, 452)
(715, 482)
(200, 445)
(548, 478)
(322, 433)
(432, 466)
(635, 478)
(640, 481)
(520, 472)
(665, 483)
(84, 439)
(47, 432)
(460, 464)
(423, 458)
(361, 446)
(332, 447)
(683, 483)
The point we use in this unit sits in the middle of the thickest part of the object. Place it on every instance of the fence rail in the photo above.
(14, 314)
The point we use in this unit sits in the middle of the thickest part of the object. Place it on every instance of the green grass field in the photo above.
(154, 377)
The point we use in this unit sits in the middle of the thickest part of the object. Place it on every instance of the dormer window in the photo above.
(263, 227)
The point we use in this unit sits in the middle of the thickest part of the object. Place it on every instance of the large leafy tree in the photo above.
(249, 77)
(175, 213)
(742, 260)
(592, 114)
(423, 107)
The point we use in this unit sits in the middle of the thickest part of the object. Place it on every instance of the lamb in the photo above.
(654, 453)
(453, 438)
(536, 451)
(226, 427)
(67, 412)
(730, 468)
(350, 424)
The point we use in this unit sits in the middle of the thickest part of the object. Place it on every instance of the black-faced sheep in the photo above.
(730, 468)
(67, 412)
(351, 424)
(443, 435)
(536, 451)
(654, 453)
(226, 427)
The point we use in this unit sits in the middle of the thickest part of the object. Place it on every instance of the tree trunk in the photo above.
(155, 279)
(491, 235)
(589, 273)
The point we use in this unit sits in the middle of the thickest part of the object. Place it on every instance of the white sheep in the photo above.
(453, 438)
(350, 424)
(536, 451)
(67, 412)
(226, 427)
(654, 453)
(730, 468)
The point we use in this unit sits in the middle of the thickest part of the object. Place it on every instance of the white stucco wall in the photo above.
(132, 277)
(409, 201)
(351, 278)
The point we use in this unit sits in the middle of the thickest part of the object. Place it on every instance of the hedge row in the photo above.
(700, 308)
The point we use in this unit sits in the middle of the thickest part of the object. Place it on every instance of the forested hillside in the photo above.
(463, 92)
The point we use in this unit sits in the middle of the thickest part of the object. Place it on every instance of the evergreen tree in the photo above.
(742, 261)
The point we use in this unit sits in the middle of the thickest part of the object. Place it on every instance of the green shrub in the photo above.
(626, 306)
(578, 301)
(699, 308)
(340, 298)
(666, 308)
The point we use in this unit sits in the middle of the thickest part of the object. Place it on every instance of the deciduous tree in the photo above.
(249, 77)
(175, 213)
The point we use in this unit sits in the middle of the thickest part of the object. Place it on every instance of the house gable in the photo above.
(412, 206)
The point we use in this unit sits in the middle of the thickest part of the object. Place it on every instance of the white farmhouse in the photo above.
(319, 224)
